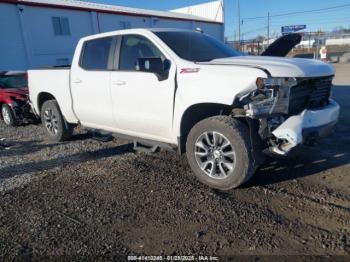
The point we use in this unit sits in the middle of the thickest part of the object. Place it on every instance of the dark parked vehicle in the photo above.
(14, 102)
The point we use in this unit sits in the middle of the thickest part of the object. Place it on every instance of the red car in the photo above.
(14, 97)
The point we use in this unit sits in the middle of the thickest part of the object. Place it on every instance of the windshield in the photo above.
(195, 46)
(13, 81)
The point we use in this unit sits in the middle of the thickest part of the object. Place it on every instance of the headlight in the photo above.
(275, 82)
(272, 96)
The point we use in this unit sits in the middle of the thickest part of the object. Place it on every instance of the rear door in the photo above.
(90, 83)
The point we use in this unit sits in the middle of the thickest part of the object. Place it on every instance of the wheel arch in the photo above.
(195, 113)
(42, 98)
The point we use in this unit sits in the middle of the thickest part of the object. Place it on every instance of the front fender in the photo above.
(212, 84)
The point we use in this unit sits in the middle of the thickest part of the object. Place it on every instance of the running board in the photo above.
(146, 148)
(101, 136)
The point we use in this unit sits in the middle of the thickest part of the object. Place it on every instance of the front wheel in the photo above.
(7, 115)
(218, 151)
(57, 129)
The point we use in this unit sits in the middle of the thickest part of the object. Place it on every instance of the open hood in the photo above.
(282, 45)
(279, 66)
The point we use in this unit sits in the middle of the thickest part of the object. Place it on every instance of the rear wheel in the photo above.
(218, 152)
(57, 128)
(7, 115)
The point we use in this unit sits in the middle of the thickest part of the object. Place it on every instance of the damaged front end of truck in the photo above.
(290, 111)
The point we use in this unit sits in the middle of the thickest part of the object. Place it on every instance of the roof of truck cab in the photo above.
(169, 30)
(134, 31)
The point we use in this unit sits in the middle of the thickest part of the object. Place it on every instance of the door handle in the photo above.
(77, 81)
(119, 82)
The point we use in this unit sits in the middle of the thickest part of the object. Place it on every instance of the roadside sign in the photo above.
(292, 28)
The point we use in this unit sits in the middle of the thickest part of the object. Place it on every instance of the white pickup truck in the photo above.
(187, 91)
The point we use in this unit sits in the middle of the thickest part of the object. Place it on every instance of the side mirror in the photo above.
(154, 65)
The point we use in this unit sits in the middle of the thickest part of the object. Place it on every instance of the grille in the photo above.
(310, 93)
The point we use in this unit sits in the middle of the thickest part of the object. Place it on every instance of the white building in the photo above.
(41, 33)
(213, 10)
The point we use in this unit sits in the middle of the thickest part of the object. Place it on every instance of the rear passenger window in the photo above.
(96, 54)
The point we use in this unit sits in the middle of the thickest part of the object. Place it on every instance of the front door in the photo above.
(142, 103)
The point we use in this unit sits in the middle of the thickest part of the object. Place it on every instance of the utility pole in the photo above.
(239, 24)
(222, 6)
(309, 40)
(268, 28)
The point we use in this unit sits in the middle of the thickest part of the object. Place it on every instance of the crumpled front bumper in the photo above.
(308, 125)
(22, 110)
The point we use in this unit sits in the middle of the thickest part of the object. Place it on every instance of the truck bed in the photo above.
(55, 81)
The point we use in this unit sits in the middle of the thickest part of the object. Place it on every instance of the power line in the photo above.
(314, 19)
(259, 29)
(256, 30)
(298, 12)
(343, 22)
(321, 23)
(320, 16)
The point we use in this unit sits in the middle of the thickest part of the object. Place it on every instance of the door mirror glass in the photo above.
(154, 65)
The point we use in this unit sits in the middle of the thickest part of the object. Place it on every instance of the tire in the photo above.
(226, 163)
(57, 129)
(8, 115)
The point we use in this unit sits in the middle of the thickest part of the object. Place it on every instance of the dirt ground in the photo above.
(90, 199)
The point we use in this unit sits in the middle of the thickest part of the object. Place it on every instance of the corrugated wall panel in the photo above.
(215, 30)
(90, 6)
(168, 23)
(37, 45)
(12, 50)
(45, 45)
(110, 22)
(212, 11)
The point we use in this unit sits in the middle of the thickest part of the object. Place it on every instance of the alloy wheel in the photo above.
(6, 115)
(215, 155)
(51, 122)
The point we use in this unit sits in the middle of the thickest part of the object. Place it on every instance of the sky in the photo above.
(324, 20)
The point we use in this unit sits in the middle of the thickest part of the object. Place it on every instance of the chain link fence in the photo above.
(337, 45)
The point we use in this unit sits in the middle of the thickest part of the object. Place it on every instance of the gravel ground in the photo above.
(91, 199)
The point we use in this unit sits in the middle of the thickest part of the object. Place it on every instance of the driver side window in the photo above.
(134, 47)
